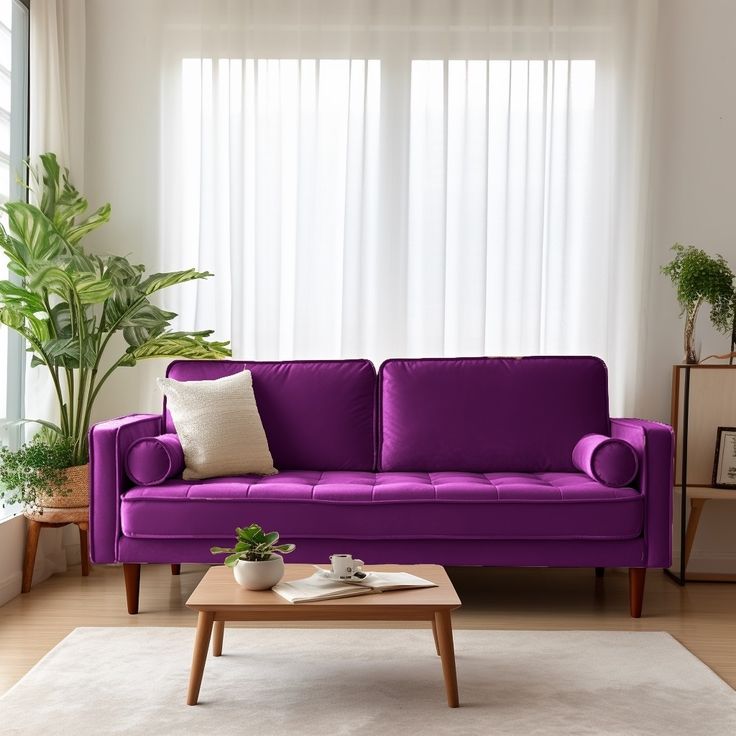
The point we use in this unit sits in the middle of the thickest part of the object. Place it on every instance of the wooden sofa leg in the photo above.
(637, 576)
(600, 572)
(176, 569)
(132, 574)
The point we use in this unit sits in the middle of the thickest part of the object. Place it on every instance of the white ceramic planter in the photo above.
(259, 575)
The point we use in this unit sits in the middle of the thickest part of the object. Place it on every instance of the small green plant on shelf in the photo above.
(253, 545)
(701, 279)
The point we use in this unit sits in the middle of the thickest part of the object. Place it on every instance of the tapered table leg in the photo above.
(199, 657)
(443, 622)
(434, 634)
(217, 637)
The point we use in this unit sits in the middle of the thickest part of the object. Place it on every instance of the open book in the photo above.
(322, 586)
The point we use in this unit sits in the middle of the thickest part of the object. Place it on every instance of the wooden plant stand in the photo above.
(53, 518)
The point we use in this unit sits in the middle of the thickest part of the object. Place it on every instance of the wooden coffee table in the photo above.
(218, 598)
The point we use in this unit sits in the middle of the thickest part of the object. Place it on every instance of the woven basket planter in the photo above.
(77, 486)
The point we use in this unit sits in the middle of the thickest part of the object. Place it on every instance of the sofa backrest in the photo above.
(489, 414)
(318, 415)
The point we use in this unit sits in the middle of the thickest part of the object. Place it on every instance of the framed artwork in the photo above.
(724, 464)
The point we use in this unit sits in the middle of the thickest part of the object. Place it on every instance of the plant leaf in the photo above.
(20, 422)
(31, 226)
(158, 281)
(99, 217)
(272, 537)
(232, 560)
(178, 344)
(221, 550)
(285, 549)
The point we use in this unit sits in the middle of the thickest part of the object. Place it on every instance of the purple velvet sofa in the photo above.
(446, 461)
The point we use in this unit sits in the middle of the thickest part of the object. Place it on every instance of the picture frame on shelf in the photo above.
(724, 463)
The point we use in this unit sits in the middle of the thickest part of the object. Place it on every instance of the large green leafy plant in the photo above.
(69, 304)
(701, 279)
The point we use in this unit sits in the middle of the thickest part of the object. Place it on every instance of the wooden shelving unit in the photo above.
(703, 398)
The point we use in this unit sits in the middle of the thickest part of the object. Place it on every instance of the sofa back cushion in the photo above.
(489, 414)
(317, 415)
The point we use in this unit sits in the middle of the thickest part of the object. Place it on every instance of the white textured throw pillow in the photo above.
(219, 426)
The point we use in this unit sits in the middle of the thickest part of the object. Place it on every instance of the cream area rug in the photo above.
(358, 681)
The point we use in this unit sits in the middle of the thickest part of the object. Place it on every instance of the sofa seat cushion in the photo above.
(390, 505)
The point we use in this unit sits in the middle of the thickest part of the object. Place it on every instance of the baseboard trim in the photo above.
(721, 563)
(73, 553)
(10, 587)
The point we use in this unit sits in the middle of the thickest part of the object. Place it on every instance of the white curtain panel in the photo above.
(56, 102)
(392, 178)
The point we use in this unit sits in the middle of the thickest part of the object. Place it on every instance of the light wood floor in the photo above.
(700, 616)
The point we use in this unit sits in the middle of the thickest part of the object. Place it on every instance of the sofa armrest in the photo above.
(654, 444)
(108, 444)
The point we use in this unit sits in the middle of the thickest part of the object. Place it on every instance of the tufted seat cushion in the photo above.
(386, 505)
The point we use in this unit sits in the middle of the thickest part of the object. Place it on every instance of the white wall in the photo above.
(122, 147)
(694, 171)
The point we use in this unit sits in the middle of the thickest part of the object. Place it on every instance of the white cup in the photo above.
(344, 566)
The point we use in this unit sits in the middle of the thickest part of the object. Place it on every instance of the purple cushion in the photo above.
(612, 462)
(152, 460)
(489, 414)
(387, 506)
(317, 415)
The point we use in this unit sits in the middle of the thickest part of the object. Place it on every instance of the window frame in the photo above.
(19, 137)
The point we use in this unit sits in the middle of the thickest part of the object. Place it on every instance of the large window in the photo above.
(385, 179)
(13, 149)
(471, 180)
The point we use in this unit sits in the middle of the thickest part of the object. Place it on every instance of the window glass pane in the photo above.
(13, 149)
(4, 90)
(5, 45)
(6, 8)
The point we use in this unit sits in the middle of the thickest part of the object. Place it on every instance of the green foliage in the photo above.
(36, 470)
(68, 304)
(700, 278)
(253, 545)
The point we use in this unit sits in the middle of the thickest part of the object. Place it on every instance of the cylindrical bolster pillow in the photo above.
(610, 461)
(151, 460)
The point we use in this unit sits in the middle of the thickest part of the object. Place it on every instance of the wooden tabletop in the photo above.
(218, 591)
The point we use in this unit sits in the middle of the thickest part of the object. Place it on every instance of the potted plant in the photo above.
(701, 279)
(256, 558)
(68, 305)
(36, 474)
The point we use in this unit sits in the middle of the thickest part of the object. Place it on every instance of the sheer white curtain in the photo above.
(57, 59)
(56, 104)
(384, 177)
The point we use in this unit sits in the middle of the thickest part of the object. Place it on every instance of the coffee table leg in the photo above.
(217, 637)
(443, 623)
(199, 657)
(434, 634)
